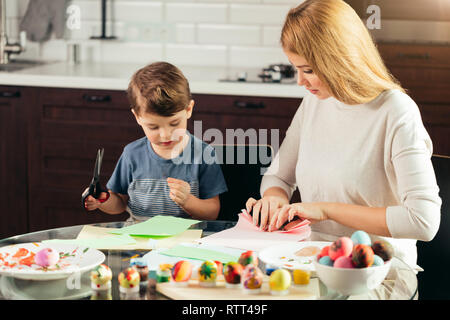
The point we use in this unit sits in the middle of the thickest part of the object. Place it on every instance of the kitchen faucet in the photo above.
(7, 48)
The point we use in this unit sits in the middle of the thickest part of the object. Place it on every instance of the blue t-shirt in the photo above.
(142, 174)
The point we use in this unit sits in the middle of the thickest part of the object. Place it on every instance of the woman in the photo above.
(356, 148)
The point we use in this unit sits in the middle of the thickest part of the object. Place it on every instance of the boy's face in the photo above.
(164, 133)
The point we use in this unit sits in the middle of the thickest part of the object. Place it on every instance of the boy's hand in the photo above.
(91, 203)
(179, 191)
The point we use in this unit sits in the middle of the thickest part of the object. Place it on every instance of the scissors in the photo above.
(95, 188)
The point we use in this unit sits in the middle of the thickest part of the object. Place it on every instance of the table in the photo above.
(401, 282)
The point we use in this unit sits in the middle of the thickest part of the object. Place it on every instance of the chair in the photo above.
(434, 256)
(243, 167)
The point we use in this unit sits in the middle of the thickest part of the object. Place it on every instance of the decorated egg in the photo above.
(129, 280)
(232, 273)
(181, 271)
(362, 256)
(361, 237)
(343, 262)
(46, 257)
(270, 268)
(141, 266)
(326, 260)
(207, 274)
(323, 252)
(341, 247)
(248, 257)
(377, 261)
(383, 249)
(252, 279)
(301, 277)
(219, 267)
(163, 273)
(101, 277)
(279, 282)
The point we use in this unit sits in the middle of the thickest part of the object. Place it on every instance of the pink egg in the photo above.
(343, 262)
(341, 247)
(46, 257)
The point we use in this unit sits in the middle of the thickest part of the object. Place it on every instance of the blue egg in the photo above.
(377, 261)
(326, 260)
(361, 237)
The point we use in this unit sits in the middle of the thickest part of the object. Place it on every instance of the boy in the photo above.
(164, 172)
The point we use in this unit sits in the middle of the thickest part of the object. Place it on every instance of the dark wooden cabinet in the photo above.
(14, 103)
(424, 70)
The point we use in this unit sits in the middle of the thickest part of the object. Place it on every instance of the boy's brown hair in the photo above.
(159, 88)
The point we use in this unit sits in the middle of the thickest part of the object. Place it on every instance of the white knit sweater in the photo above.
(375, 154)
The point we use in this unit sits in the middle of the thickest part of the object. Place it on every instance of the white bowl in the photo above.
(352, 281)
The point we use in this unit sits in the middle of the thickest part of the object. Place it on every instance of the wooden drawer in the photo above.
(415, 55)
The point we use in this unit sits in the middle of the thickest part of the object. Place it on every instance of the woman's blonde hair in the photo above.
(331, 37)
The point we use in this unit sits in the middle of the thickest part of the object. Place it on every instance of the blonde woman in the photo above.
(356, 148)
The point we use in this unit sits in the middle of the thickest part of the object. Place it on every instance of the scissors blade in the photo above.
(98, 164)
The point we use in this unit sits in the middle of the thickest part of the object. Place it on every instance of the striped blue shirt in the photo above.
(141, 174)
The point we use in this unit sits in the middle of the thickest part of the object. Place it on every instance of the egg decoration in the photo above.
(323, 252)
(141, 266)
(361, 237)
(362, 256)
(279, 282)
(383, 249)
(164, 272)
(326, 260)
(181, 272)
(343, 262)
(252, 279)
(46, 257)
(301, 277)
(248, 257)
(341, 247)
(219, 267)
(232, 273)
(101, 277)
(377, 261)
(207, 274)
(129, 280)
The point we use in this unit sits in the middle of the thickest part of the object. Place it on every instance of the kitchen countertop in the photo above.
(116, 76)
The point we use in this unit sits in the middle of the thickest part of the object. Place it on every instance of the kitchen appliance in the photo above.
(274, 73)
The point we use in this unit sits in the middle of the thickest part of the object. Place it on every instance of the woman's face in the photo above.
(306, 77)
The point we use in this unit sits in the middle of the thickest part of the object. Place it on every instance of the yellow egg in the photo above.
(301, 276)
(280, 280)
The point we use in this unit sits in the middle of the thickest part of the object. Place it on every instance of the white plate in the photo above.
(74, 260)
(284, 255)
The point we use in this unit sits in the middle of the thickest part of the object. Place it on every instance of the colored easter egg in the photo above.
(341, 247)
(248, 257)
(181, 271)
(46, 257)
(279, 281)
(362, 256)
(100, 276)
(219, 267)
(361, 237)
(207, 273)
(343, 262)
(383, 249)
(129, 278)
(232, 273)
(163, 273)
(140, 264)
(323, 252)
(252, 278)
(301, 277)
(326, 261)
(377, 261)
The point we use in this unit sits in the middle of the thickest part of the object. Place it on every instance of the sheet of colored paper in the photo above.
(191, 252)
(145, 243)
(108, 242)
(244, 235)
(158, 226)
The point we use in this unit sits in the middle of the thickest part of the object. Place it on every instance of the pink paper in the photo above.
(244, 235)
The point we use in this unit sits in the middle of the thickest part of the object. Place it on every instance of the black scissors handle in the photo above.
(95, 189)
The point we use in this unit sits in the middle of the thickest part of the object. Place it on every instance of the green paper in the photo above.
(158, 226)
(105, 242)
(199, 254)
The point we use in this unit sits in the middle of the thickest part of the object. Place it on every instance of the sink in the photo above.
(17, 65)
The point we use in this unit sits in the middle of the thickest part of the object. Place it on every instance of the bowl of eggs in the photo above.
(352, 266)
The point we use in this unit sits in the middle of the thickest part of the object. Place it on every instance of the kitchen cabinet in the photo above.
(13, 160)
(424, 71)
(67, 126)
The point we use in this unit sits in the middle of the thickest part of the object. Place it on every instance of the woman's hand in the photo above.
(311, 211)
(264, 209)
(179, 191)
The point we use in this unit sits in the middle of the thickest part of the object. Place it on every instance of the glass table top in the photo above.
(400, 284)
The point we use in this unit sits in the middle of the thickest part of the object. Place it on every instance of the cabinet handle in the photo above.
(249, 105)
(96, 98)
(10, 94)
(419, 56)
